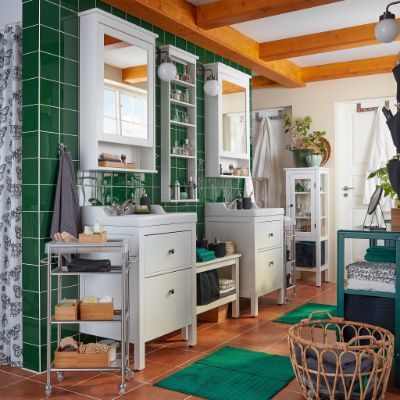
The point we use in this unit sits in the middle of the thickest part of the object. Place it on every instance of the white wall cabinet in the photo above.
(227, 123)
(307, 202)
(116, 91)
(163, 279)
(258, 236)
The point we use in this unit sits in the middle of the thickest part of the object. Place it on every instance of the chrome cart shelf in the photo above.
(56, 250)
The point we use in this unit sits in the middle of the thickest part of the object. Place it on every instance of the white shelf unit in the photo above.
(307, 202)
(174, 130)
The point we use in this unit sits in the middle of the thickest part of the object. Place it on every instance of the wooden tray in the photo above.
(117, 164)
(73, 359)
(96, 311)
(66, 313)
(94, 238)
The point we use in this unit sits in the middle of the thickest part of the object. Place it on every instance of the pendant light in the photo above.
(166, 70)
(387, 29)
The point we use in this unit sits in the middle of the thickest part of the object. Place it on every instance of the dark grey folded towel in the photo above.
(85, 265)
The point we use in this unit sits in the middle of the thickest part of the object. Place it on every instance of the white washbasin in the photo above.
(157, 216)
(221, 210)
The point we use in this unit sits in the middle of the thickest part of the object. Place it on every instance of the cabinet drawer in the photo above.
(166, 251)
(269, 271)
(269, 234)
(168, 302)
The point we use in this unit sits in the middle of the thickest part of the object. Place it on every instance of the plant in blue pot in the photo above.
(307, 147)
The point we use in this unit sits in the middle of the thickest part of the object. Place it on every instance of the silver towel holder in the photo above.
(62, 146)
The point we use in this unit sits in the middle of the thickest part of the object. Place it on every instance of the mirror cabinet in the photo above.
(116, 94)
(227, 124)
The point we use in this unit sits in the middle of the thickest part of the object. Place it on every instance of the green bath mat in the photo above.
(233, 374)
(295, 316)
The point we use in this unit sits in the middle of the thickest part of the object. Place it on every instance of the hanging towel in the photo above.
(266, 169)
(381, 150)
(66, 203)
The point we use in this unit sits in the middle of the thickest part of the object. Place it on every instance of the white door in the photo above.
(353, 141)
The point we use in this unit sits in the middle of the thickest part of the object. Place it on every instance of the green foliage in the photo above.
(384, 183)
(301, 136)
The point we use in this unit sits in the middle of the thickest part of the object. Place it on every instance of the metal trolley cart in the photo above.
(55, 251)
(290, 257)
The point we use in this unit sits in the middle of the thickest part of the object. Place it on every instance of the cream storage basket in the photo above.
(334, 359)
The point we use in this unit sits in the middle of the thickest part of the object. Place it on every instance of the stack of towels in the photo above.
(381, 254)
(203, 255)
(226, 286)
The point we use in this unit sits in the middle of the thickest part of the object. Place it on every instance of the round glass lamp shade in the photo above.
(166, 71)
(387, 29)
(211, 87)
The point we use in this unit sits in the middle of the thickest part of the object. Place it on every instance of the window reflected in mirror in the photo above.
(234, 132)
(125, 89)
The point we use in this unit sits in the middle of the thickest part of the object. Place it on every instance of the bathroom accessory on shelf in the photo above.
(95, 234)
(86, 265)
(218, 247)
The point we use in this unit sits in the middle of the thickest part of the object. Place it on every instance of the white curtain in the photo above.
(266, 170)
(381, 150)
(10, 195)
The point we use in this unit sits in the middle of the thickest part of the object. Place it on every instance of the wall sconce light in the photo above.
(211, 85)
(387, 29)
(166, 70)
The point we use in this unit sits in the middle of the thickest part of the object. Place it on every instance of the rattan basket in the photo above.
(334, 359)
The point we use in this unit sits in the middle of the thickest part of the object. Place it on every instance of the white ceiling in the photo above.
(319, 19)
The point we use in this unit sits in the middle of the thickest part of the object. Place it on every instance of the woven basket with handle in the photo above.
(334, 359)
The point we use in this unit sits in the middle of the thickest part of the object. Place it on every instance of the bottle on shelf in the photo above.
(177, 190)
(239, 202)
(191, 193)
(186, 96)
(187, 148)
(176, 149)
(186, 76)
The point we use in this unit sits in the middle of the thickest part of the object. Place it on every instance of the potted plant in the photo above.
(307, 147)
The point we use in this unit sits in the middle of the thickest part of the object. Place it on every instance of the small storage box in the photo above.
(207, 287)
(93, 238)
(73, 359)
(306, 254)
(96, 311)
(66, 313)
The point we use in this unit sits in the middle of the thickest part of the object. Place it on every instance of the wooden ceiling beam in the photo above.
(261, 82)
(228, 12)
(370, 66)
(179, 18)
(135, 74)
(339, 39)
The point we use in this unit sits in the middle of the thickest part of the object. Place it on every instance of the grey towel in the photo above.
(66, 203)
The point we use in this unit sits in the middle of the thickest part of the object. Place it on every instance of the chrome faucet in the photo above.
(122, 209)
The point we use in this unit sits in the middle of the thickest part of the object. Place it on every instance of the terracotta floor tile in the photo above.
(67, 395)
(104, 386)
(17, 371)
(29, 390)
(288, 395)
(153, 370)
(148, 392)
(7, 379)
(70, 378)
(172, 356)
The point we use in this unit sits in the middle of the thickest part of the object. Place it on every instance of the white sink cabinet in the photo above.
(163, 278)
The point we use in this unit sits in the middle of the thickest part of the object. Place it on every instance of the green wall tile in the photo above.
(30, 277)
(71, 4)
(69, 22)
(49, 145)
(30, 39)
(30, 92)
(49, 40)
(69, 72)
(69, 46)
(30, 171)
(30, 198)
(30, 147)
(48, 171)
(49, 14)
(31, 357)
(30, 13)
(86, 4)
(30, 302)
(69, 122)
(31, 65)
(49, 118)
(30, 224)
(49, 92)
(69, 96)
(49, 65)
(29, 118)
(47, 193)
(31, 330)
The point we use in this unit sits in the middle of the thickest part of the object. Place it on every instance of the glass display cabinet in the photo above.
(307, 202)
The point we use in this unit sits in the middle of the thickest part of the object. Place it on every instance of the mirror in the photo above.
(234, 130)
(125, 89)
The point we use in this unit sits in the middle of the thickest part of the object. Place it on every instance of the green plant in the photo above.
(301, 136)
(384, 183)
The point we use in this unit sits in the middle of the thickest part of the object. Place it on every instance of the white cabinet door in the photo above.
(167, 302)
(302, 204)
(269, 274)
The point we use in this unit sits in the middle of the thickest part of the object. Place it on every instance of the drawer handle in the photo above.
(270, 235)
(172, 251)
(271, 263)
(171, 291)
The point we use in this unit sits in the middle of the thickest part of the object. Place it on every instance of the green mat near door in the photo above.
(295, 316)
(233, 374)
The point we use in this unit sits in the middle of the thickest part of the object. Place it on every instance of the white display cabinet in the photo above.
(307, 201)
(227, 123)
(178, 122)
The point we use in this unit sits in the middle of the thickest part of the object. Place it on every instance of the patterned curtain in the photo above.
(10, 195)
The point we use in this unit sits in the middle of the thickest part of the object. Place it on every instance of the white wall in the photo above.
(11, 11)
(318, 100)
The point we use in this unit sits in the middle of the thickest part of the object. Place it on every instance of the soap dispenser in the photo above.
(239, 202)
